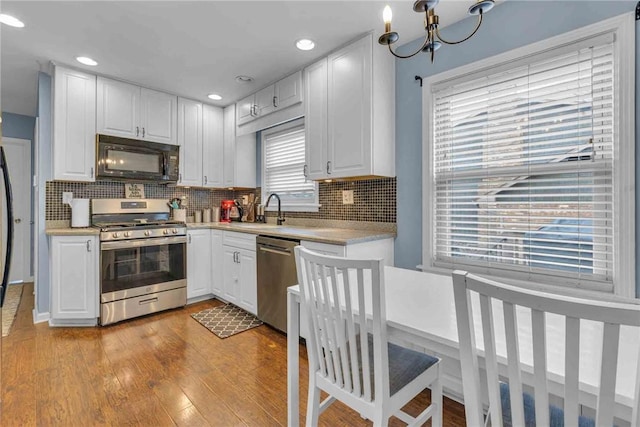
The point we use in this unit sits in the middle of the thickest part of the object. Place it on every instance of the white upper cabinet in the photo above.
(159, 116)
(245, 109)
(273, 98)
(190, 141)
(212, 146)
(118, 108)
(315, 125)
(239, 154)
(74, 125)
(360, 113)
(130, 111)
(288, 91)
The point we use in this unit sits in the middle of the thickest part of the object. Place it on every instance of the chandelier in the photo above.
(434, 40)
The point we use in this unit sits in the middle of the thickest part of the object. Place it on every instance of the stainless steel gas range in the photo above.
(143, 258)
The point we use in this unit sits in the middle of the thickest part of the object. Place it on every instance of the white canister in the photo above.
(180, 215)
(197, 216)
(206, 215)
(80, 212)
(215, 214)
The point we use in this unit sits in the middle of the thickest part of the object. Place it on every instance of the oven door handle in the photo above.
(156, 241)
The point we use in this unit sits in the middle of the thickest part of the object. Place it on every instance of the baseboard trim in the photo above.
(40, 317)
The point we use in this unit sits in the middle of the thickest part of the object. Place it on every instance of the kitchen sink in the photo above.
(255, 225)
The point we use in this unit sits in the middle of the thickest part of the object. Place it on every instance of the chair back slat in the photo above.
(335, 292)
(351, 336)
(539, 341)
(606, 396)
(468, 352)
(571, 371)
(544, 308)
(491, 361)
(513, 363)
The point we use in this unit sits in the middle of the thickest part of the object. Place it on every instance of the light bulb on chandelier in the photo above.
(433, 40)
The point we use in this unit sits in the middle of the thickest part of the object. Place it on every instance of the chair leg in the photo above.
(313, 403)
(436, 400)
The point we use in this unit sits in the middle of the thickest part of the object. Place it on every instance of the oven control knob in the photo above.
(174, 231)
(115, 235)
(147, 233)
(165, 231)
(127, 234)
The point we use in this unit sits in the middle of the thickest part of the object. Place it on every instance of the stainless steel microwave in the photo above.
(134, 160)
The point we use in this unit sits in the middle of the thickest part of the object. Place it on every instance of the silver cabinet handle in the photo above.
(189, 238)
(137, 131)
(143, 132)
(305, 171)
(91, 172)
(329, 168)
(254, 110)
(275, 101)
(205, 180)
(88, 245)
(179, 177)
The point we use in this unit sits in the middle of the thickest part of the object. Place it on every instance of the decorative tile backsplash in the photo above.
(374, 200)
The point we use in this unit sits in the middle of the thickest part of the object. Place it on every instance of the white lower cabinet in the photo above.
(74, 280)
(199, 256)
(239, 270)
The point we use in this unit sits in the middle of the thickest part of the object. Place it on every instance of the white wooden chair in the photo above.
(349, 355)
(531, 310)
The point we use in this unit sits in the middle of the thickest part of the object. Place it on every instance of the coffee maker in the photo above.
(225, 210)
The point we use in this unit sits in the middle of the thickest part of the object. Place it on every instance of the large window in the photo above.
(283, 162)
(526, 166)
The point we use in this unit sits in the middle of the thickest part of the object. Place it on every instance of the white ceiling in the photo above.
(190, 48)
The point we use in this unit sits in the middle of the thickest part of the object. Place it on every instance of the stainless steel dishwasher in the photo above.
(276, 272)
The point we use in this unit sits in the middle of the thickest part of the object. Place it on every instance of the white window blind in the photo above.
(523, 165)
(284, 160)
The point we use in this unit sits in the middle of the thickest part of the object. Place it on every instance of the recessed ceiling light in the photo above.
(11, 20)
(214, 96)
(305, 44)
(86, 61)
(244, 79)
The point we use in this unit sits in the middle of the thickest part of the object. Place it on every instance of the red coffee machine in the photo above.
(225, 210)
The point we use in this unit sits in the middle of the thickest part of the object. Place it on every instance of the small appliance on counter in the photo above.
(79, 210)
(237, 212)
(225, 210)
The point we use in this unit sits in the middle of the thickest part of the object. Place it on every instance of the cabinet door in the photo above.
(74, 125)
(231, 274)
(229, 149)
(350, 110)
(198, 263)
(244, 110)
(265, 102)
(158, 116)
(212, 146)
(315, 119)
(248, 281)
(217, 263)
(288, 91)
(190, 141)
(74, 277)
(118, 109)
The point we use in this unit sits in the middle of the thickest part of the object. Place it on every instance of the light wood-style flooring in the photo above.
(160, 370)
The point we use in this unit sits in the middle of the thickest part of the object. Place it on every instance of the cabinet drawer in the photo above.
(239, 240)
(325, 248)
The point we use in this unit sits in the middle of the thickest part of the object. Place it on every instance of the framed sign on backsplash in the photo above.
(133, 191)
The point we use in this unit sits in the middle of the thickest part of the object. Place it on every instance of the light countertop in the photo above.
(68, 231)
(331, 235)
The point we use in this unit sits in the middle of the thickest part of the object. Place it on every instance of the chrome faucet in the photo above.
(280, 218)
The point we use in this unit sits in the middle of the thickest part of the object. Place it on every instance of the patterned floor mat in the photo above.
(226, 320)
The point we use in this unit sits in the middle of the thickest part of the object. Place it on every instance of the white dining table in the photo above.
(421, 313)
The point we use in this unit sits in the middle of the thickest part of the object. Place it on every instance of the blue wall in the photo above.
(18, 126)
(511, 25)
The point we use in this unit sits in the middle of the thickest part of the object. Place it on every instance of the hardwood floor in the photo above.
(161, 370)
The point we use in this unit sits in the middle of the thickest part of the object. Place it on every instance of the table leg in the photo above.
(293, 363)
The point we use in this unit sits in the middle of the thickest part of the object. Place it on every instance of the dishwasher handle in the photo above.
(285, 252)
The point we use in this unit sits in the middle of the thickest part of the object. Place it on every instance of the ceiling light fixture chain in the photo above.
(433, 41)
